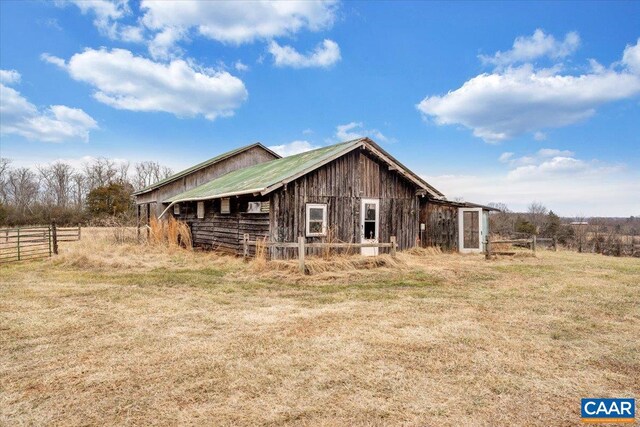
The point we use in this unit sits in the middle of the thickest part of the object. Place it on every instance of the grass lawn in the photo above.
(110, 334)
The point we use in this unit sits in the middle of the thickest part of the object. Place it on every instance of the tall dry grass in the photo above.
(171, 232)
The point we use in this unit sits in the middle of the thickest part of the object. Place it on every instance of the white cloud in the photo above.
(164, 24)
(240, 66)
(539, 136)
(631, 57)
(355, 130)
(538, 45)
(324, 55)
(506, 104)
(164, 44)
(505, 157)
(131, 33)
(129, 82)
(553, 152)
(53, 60)
(566, 184)
(54, 124)
(294, 147)
(107, 13)
(541, 156)
(9, 77)
(239, 22)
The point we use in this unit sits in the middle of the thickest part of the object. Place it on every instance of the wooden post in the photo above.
(50, 249)
(148, 221)
(487, 254)
(79, 232)
(555, 243)
(301, 254)
(393, 246)
(18, 244)
(138, 222)
(55, 237)
(533, 243)
(245, 246)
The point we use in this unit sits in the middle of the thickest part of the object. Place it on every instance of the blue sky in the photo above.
(504, 102)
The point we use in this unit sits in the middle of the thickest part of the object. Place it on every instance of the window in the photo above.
(176, 209)
(254, 207)
(225, 205)
(200, 210)
(316, 219)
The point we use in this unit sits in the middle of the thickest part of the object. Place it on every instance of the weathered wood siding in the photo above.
(225, 232)
(342, 184)
(250, 157)
(441, 225)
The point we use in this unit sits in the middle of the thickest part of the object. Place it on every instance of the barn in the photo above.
(352, 192)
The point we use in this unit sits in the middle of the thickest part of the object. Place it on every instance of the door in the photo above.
(369, 225)
(470, 229)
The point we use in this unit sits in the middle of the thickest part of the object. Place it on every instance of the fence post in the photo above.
(245, 246)
(79, 232)
(49, 241)
(487, 254)
(55, 237)
(18, 244)
(533, 243)
(393, 246)
(301, 254)
(555, 243)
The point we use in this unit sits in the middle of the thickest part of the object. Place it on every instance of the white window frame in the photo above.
(226, 200)
(310, 206)
(200, 210)
(176, 209)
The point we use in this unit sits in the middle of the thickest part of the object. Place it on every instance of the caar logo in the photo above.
(608, 410)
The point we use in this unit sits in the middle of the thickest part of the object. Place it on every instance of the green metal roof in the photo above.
(257, 178)
(266, 177)
(200, 166)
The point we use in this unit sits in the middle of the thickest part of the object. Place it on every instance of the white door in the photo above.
(369, 224)
(470, 230)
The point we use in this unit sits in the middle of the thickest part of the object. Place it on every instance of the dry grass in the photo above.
(139, 335)
(170, 232)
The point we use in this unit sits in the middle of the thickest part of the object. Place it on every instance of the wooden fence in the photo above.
(531, 242)
(28, 243)
(302, 246)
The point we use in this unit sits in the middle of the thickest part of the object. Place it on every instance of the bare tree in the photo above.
(78, 189)
(122, 174)
(502, 222)
(5, 167)
(100, 172)
(57, 181)
(22, 188)
(148, 173)
(537, 213)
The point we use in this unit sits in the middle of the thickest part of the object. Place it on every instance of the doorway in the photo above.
(470, 229)
(369, 225)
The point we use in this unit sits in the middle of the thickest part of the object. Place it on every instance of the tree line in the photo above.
(100, 189)
(610, 236)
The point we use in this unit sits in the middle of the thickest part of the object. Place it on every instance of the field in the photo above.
(121, 334)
